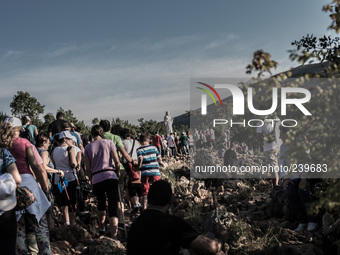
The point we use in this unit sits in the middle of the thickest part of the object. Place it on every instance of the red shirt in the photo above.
(18, 151)
(157, 141)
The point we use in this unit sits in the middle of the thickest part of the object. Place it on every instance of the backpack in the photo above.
(129, 168)
(27, 134)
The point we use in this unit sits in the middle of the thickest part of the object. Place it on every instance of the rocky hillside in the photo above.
(246, 215)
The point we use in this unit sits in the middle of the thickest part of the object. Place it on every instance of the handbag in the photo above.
(25, 198)
(133, 175)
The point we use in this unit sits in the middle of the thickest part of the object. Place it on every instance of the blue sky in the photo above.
(133, 59)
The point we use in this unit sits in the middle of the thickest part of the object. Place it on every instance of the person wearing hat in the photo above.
(64, 158)
(9, 180)
(22, 151)
(68, 127)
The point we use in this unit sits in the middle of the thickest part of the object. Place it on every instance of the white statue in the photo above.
(168, 123)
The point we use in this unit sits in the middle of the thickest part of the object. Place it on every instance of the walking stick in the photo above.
(69, 200)
(120, 201)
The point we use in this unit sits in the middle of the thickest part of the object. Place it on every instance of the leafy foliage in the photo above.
(261, 62)
(48, 119)
(334, 8)
(24, 104)
(151, 126)
(311, 49)
(3, 116)
(95, 121)
(316, 139)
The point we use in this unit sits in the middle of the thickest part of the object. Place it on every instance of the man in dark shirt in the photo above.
(157, 232)
(230, 156)
(56, 126)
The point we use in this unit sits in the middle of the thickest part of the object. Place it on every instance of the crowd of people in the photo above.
(52, 165)
(119, 168)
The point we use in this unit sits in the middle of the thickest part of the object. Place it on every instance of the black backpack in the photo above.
(27, 134)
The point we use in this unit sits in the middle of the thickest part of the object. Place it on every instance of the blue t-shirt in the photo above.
(6, 161)
(149, 155)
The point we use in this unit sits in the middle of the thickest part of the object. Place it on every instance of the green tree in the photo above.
(321, 129)
(84, 128)
(24, 104)
(151, 126)
(95, 121)
(48, 119)
(3, 116)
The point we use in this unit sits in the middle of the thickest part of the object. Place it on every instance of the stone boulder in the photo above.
(104, 246)
(72, 234)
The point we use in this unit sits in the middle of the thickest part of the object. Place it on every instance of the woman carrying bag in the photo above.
(22, 151)
(64, 158)
(8, 184)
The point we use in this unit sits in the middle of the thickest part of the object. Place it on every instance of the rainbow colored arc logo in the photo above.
(209, 93)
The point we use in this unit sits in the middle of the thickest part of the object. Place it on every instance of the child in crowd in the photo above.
(148, 159)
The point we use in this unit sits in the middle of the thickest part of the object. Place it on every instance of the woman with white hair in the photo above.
(64, 158)
(22, 151)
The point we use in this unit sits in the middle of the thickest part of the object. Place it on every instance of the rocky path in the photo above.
(245, 214)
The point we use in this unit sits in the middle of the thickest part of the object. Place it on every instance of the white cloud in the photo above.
(129, 88)
(11, 53)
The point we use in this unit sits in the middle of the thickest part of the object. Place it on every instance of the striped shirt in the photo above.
(149, 155)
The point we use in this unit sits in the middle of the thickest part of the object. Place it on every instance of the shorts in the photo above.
(71, 192)
(146, 181)
(109, 189)
(135, 189)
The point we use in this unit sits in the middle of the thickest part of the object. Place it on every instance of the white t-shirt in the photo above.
(268, 128)
(191, 140)
(76, 149)
(171, 141)
(212, 134)
(62, 162)
(128, 146)
(165, 143)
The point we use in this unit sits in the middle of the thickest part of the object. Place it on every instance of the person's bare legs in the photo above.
(134, 201)
(120, 211)
(101, 219)
(72, 218)
(113, 226)
(145, 201)
(66, 215)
